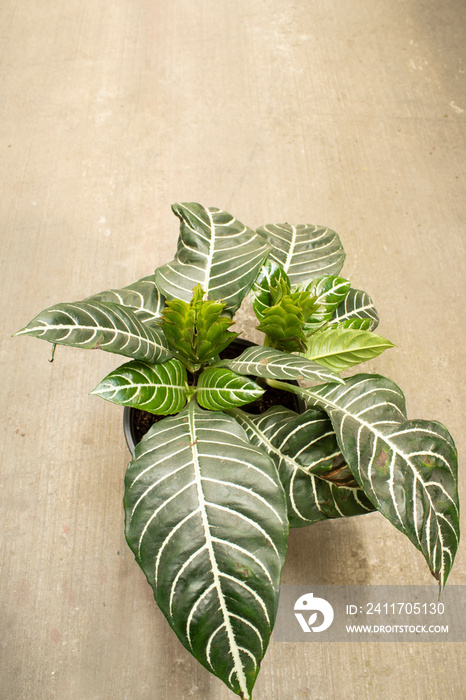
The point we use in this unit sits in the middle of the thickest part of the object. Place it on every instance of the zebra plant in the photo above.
(212, 488)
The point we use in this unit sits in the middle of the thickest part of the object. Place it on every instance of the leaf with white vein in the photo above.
(206, 520)
(407, 468)
(340, 348)
(357, 305)
(304, 251)
(160, 389)
(220, 388)
(275, 364)
(142, 297)
(102, 325)
(358, 324)
(309, 462)
(216, 251)
(329, 293)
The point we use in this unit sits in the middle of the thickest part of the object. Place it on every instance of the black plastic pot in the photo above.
(130, 415)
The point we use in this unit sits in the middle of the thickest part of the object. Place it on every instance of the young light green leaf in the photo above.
(274, 364)
(206, 520)
(220, 388)
(261, 297)
(197, 331)
(284, 322)
(142, 297)
(103, 325)
(304, 251)
(407, 468)
(357, 305)
(216, 251)
(159, 389)
(302, 446)
(340, 348)
(282, 313)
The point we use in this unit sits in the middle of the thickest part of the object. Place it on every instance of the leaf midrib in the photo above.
(289, 255)
(237, 665)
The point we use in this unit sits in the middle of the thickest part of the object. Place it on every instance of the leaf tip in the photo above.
(97, 391)
(336, 379)
(441, 584)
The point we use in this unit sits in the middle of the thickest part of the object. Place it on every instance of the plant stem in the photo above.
(284, 386)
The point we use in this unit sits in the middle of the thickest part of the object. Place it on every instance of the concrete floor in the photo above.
(349, 114)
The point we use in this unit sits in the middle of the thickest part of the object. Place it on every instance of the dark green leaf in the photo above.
(407, 468)
(329, 293)
(309, 462)
(206, 520)
(274, 364)
(142, 297)
(357, 305)
(159, 389)
(102, 325)
(220, 388)
(304, 251)
(216, 251)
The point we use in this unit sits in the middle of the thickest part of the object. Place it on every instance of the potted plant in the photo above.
(212, 488)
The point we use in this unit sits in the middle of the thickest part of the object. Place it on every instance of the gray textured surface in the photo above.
(349, 114)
